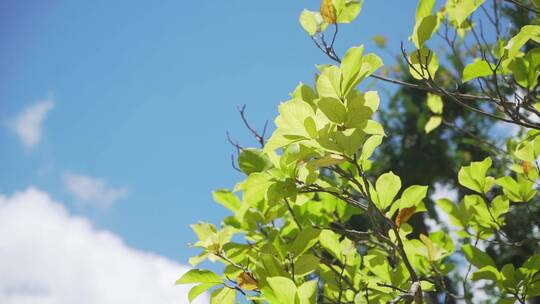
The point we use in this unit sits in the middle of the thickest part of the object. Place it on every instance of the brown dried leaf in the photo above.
(526, 165)
(246, 281)
(404, 215)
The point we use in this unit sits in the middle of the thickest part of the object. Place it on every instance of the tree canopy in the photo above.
(334, 203)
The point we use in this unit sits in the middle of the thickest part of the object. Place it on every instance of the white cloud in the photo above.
(48, 256)
(28, 125)
(93, 190)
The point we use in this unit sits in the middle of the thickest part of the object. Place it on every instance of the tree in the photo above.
(321, 216)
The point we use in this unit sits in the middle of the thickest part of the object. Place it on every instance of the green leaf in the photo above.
(198, 290)
(433, 253)
(369, 146)
(227, 199)
(311, 127)
(424, 29)
(290, 124)
(347, 10)
(304, 241)
(525, 151)
(481, 214)
(435, 103)
(271, 264)
(283, 288)
(488, 272)
(357, 117)
(199, 276)
(479, 68)
(412, 196)
(510, 188)
(306, 264)
(351, 65)
(292, 116)
(477, 257)
(531, 266)
(506, 301)
(329, 160)
(304, 92)
(533, 67)
(281, 189)
(500, 206)
(196, 260)
(387, 186)
(333, 108)
(455, 214)
(253, 160)
(519, 67)
(312, 22)
(459, 10)
(373, 128)
(307, 292)
(474, 176)
(508, 276)
(203, 230)
(371, 63)
(223, 296)
(528, 32)
(424, 8)
(424, 63)
(427, 286)
(433, 122)
(254, 188)
(526, 69)
(350, 141)
(329, 82)
(358, 112)
(330, 241)
(372, 100)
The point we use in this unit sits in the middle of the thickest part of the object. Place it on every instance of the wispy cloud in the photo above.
(51, 256)
(28, 125)
(92, 190)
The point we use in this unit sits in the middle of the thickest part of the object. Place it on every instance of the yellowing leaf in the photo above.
(246, 281)
(432, 252)
(380, 41)
(526, 165)
(328, 11)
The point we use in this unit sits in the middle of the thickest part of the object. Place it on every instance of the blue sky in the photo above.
(143, 93)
